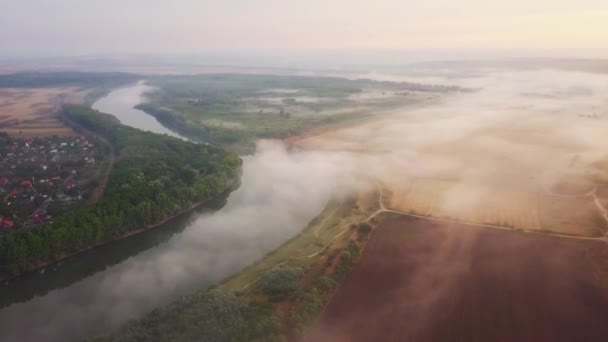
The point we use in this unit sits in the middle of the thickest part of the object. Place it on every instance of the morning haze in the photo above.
(63, 27)
(264, 170)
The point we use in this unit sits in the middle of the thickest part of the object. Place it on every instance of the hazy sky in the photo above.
(192, 26)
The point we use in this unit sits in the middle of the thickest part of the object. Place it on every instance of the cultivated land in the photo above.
(494, 205)
(33, 112)
(490, 224)
(496, 227)
(572, 215)
(30, 102)
(432, 281)
(515, 208)
(489, 173)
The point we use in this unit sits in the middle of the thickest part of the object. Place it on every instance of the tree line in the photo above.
(155, 177)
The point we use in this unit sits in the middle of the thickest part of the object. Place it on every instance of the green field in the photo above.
(235, 110)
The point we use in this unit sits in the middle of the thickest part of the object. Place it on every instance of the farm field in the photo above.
(602, 194)
(427, 281)
(573, 184)
(500, 206)
(452, 199)
(30, 101)
(32, 112)
(571, 215)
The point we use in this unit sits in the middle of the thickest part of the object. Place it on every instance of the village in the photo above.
(42, 177)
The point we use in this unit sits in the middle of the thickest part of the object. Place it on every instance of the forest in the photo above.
(154, 178)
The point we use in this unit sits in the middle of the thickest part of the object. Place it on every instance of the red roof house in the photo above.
(70, 183)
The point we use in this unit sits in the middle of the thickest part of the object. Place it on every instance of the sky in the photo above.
(544, 28)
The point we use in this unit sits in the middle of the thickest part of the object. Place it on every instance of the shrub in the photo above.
(281, 282)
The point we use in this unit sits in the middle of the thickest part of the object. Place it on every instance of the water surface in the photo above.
(121, 103)
(98, 291)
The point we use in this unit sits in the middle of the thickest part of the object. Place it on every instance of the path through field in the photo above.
(384, 209)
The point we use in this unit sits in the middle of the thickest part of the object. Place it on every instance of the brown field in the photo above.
(33, 112)
(425, 281)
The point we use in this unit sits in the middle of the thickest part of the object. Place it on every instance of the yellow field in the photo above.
(468, 202)
(573, 183)
(571, 215)
(33, 112)
(501, 206)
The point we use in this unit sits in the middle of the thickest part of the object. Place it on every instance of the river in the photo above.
(97, 291)
(121, 102)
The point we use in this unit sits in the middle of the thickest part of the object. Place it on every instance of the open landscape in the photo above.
(317, 171)
(30, 102)
(485, 167)
(235, 110)
(33, 112)
(410, 188)
(431, 281)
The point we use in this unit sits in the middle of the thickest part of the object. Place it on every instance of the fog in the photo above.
(516, 130)
(280, 194)
(486, 157)
(515, 125)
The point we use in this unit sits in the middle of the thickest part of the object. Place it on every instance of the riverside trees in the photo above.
(154, 178)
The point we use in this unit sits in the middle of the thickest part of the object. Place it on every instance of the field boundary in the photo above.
(603, 212)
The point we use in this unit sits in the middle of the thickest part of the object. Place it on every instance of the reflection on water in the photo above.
(98, 291)
(121, 102)
(86, 264)
(272, 205)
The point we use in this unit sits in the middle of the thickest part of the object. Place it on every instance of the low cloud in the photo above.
(499, 136)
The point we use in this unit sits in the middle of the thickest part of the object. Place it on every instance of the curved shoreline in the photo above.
(233, 186)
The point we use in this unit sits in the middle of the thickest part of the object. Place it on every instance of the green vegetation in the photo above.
(235, 110)
(280, 283)
(348, 257)
(205, 316)
(60, 172)
(277, 298)
(154, 178)
(211, 315)
(304, 249)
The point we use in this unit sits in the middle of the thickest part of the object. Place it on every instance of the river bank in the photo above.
(272, 205)
(5, 278)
